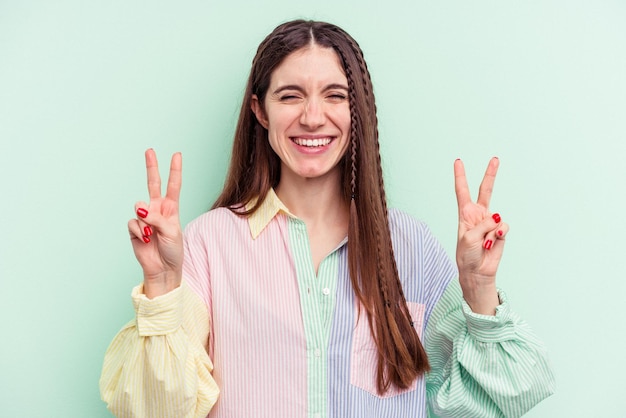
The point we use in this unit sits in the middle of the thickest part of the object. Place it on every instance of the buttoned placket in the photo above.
(317, 298)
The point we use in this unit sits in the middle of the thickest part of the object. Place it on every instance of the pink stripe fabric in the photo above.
(257, 332)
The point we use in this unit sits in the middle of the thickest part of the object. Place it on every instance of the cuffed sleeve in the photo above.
(483, 366)
(157, 365)
(491, 328)
(159, 316)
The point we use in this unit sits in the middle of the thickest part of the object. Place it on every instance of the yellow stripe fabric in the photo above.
(266, 212)
(148, 357)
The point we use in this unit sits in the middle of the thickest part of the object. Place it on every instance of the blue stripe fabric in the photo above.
(425, 271)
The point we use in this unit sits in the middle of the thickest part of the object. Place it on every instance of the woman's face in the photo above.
(307, 113)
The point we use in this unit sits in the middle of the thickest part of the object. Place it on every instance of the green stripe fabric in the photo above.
(317, 298)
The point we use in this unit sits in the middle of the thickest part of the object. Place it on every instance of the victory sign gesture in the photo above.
(156, 233)
(481, 238)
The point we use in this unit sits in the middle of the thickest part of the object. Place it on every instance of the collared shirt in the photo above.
(286, 341)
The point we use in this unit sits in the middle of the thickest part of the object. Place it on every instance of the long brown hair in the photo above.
(255, 168)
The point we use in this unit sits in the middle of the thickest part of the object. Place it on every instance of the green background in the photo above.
(87, 86)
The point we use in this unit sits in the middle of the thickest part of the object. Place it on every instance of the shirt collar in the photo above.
(270, 207)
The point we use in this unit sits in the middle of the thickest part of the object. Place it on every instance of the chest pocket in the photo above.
(363, 362)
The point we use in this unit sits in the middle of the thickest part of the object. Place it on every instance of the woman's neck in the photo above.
(321, 205)
(313, 200)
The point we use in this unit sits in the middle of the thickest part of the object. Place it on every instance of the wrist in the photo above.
(160, 284)
(480, 295)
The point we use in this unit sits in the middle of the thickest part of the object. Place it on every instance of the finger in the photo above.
(143, 230)
(486, 186)
(154, 179)
(175, 179)
(496, 236)
(139, 232)
(147, 215)
(485, 230)
(501, 231)
(142, 212)
(460, 184)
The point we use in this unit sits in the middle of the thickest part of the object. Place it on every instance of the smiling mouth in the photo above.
(312, 143)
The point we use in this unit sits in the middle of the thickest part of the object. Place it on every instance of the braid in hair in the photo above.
(401, 356)
(354, 241)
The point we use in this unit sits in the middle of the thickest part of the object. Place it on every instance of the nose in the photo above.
(313, 115)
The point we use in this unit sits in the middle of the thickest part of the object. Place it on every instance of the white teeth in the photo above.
(312, 142)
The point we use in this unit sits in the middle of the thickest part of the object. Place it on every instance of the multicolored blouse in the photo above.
(255, 320)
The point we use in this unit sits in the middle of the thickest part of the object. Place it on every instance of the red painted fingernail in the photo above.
(142, 213)
(146, 239)
(500, 233)
(496, 217)
(147, 230)
(488, 244)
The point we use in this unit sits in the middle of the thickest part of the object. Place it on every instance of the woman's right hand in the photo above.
(155, 233)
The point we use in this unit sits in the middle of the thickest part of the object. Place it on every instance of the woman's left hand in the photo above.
(480, 241)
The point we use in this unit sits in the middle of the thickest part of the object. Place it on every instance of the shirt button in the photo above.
(317, 352)
(326, 291)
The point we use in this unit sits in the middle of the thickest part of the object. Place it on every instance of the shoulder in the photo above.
(215, 220)
(423, 265)
(412, 237)
(403, 225)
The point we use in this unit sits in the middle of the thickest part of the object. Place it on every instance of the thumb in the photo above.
(486, 227)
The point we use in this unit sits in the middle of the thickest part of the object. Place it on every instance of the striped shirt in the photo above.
(286, 341)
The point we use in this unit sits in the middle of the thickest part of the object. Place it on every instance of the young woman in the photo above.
(304, 292)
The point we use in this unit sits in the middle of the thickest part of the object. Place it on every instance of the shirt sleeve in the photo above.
(483, 366)
(157, 365)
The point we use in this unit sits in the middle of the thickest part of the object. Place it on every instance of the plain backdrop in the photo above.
(87, 86)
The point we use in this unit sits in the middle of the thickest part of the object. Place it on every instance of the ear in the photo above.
(259, 112)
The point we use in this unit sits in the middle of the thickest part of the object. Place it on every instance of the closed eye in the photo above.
(336, 93)
(337, 97)
(289, 98)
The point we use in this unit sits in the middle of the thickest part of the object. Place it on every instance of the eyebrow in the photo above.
(300, 89)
